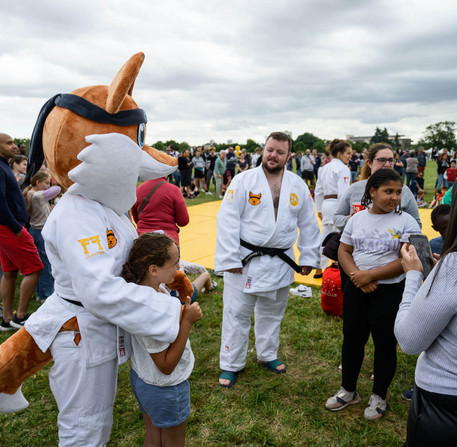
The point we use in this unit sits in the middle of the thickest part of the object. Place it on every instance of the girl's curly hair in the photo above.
(148, 249)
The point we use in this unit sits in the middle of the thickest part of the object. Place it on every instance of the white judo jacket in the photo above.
(87, 242)
(334, 179)
(247, 213)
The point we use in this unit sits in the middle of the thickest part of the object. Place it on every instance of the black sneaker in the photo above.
(6, 326)
(19, 322)
(407, 394)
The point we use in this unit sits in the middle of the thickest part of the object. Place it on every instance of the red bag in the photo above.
(332, 295)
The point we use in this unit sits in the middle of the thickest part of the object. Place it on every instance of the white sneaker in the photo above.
(376, 408)
(342, 399)
(302, 291)
(209, 193)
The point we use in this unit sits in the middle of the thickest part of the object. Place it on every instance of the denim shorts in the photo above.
(167, 406)
(192, 298)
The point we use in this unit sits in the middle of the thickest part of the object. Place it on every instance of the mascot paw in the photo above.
(182, 285)
(10, 403)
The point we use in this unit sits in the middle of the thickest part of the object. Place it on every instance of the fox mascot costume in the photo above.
(93, 142)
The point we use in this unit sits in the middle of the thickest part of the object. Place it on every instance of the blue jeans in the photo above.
(411, 182)
(353, 176)
(45, 286)
(440, 181)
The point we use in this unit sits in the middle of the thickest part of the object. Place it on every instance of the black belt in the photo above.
(78, 303)
(260, 251)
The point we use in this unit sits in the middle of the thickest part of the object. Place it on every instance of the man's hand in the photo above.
(409, 259)
(19, 234)
(319, 215)
(191, 312)
(305, 270)
(236, 270)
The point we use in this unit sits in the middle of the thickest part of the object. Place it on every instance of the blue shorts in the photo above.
(166, 406)
(192, 298)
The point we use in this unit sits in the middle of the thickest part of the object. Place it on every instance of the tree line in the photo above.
(437, 135)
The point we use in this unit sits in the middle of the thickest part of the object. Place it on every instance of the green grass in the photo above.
(263, 409)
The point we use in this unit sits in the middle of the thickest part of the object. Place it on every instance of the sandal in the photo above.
(229, 375)
(271, 365)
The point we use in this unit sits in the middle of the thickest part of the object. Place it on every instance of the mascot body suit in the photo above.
(93, 143)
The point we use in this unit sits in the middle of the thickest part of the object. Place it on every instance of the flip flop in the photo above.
(229, 375)
(271, 365)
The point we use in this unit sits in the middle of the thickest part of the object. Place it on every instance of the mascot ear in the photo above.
(123, 83)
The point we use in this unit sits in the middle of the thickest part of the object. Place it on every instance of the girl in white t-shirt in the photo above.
(369, 253)
(159, 371)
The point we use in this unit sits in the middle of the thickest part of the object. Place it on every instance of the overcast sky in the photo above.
(239, 69)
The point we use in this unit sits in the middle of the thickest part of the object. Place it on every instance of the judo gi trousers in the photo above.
(84, 396)
(236, 323)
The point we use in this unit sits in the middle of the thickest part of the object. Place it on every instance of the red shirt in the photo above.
(451, 174)
(166, 209)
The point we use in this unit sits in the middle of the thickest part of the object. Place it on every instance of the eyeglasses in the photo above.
(383, 160)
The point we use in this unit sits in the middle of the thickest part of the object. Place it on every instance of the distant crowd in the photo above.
(200, 166)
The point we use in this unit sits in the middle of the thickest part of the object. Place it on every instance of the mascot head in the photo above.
(66, 120)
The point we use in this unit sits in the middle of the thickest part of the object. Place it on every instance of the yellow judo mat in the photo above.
(198, 238)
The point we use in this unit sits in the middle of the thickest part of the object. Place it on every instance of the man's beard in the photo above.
(276, 169)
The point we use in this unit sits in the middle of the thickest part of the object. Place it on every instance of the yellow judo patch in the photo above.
(293, 199)
(254, 199)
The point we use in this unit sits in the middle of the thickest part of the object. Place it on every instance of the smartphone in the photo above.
(422, 246)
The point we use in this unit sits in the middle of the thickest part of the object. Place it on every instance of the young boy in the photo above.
(451, 173)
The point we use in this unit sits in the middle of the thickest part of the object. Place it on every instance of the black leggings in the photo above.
(365, 313)
(432, 420)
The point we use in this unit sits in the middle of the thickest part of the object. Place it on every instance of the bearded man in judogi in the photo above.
(256, 230)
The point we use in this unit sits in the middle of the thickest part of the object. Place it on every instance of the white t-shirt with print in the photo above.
(376, 239)
(147, 370)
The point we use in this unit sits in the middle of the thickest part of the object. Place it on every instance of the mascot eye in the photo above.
(141, 134)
